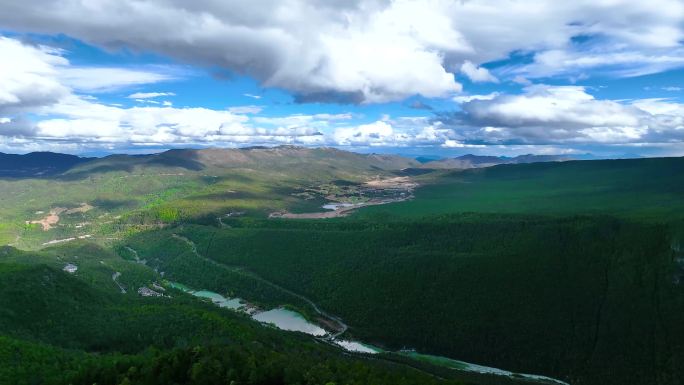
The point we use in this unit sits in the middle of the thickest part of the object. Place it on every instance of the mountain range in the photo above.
(37, 164)
(477, 161)
(45, 164)
(113, 268)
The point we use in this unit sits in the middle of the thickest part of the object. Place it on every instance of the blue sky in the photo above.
(433, 77)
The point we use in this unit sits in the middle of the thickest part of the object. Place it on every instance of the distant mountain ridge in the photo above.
(288, 159)
(285, 158)
(37, 164)
(46, 164)
(477, 161)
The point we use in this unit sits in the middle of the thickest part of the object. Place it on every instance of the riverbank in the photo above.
(290, 320)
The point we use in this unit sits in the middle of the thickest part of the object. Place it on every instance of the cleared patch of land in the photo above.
(377, 191)
(398, 183)
(339, 212)
(83, 208)
(50, 220)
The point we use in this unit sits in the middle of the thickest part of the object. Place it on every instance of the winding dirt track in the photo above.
(115, 278)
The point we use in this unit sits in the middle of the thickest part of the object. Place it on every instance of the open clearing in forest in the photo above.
(387, 190)
(53, 216)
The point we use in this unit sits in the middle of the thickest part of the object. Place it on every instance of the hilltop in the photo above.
(37, 164)
(282, 158)
(291, 159)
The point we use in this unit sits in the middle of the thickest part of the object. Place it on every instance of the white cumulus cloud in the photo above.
(477, 74)
(375, 50)
(568, 114)
(29, 78)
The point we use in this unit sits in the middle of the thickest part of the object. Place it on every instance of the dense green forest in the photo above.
(645, 188)
(57, 329)
(571, 270)
(588, 299)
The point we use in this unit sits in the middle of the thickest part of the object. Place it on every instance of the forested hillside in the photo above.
(645, 188)
(585, 299)
(570, 270)
(37, 164)
(360, 192)
(113, 196)
(57, 329)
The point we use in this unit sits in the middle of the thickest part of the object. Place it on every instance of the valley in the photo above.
(365, 192)
(564, 269)
(289, 320)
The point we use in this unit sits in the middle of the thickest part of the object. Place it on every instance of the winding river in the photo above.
(290, 320)
(281, 318)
